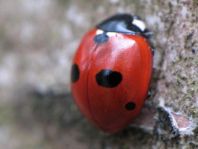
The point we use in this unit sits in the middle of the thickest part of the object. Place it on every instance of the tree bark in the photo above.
(37, 51)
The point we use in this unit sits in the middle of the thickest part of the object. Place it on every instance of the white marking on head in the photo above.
(139, 24)
(110, 34)
(99, 31)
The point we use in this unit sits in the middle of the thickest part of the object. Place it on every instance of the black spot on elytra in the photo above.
(101, 38)
(130, 106)
(75, 73)
(108, 78)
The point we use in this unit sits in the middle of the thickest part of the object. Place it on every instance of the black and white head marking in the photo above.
(139, 24)
(125, 23)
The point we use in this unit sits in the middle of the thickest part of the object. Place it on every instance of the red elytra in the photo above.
(111, 73)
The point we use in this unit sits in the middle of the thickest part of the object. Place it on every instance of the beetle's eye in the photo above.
(108, 78)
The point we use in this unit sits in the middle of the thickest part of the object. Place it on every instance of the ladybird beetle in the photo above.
(111, 72)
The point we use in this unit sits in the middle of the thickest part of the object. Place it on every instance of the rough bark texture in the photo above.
(37, 42)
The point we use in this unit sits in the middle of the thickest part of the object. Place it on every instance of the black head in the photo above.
(124, 23)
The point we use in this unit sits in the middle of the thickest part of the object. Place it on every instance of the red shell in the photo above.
(106, 107)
